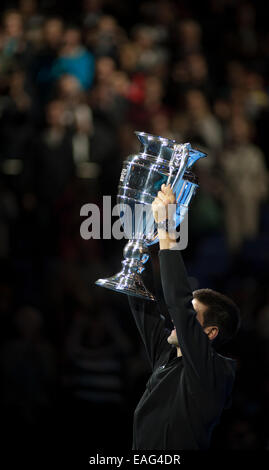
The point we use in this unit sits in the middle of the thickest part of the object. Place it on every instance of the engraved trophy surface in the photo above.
(159, 161)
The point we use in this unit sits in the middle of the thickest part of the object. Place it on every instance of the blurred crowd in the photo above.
(76, 80)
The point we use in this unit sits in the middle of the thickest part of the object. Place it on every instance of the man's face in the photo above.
(200, 309)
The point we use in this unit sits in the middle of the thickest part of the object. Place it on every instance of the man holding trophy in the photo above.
(191, 383)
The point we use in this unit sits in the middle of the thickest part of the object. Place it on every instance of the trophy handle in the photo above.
(179, 158)
(195, 155)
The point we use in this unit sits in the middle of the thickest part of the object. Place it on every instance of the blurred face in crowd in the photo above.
(239, 131)
(105, 66)
(128, 57)
(196, 104)
(160, 124)
(107, 25)
(238, 102)
(83, 119)
(92, 5)
(165, 13)
(153, 90)
(72, 38)
(190, 33)
(69, 87)
(28, 322)
(144, 37)
(246, 15)
(53, 32)
(236, 74)
(197, 67)
(121, 83)
(17, 81)
(55, 113)
(222, 109)
(28, 7)
(180, 72)
(254, 81)
(13, 24)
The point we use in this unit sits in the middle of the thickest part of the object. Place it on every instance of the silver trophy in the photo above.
(160, 161)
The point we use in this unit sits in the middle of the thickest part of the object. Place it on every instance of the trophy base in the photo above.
(133, 286)
(128, 280)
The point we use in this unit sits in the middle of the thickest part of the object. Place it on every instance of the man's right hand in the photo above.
(161, 203)
(161, 212)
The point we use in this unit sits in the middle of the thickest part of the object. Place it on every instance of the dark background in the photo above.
(76, 80)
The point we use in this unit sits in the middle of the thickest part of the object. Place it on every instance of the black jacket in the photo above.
(185, 395)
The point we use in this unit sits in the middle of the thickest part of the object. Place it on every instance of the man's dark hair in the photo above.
(221, 311)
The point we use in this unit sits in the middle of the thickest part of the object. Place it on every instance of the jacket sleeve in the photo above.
(151, 326)
(197, 352)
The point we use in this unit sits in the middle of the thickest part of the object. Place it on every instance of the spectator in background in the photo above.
(235, 74)
(246, 30)
(188, 38)
(8, 214)
(53, 33)
(74, 59)
(16, 117)
(53, 160)
(191, 73)
(14, 43)
(43, 60)
(82, 141)
(29, 372)
(106, 38)
(107, 98)
(128, 58)
(161, 125)
(105, 67)
(30, 14)
(197, 67)
(84, 131)
(95, 378)
(245, 183)
(257, 99)
(92, 11)
(201, 122)
(69, 91)
(150, 55)
(150, 102)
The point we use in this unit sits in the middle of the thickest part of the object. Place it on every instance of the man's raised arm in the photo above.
(151, 325)
(194, 344)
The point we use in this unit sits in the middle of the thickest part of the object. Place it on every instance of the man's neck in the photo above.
(179, 353)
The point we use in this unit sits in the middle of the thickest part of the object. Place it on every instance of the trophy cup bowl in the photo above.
(159, 161)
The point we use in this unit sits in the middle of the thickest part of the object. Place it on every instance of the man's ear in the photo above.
(212, 332)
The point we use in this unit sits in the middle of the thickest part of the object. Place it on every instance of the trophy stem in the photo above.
(128, 280)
